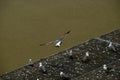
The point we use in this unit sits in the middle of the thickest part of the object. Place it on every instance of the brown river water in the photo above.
(24, 24)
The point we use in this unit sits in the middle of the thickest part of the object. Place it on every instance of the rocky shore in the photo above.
(95, 59)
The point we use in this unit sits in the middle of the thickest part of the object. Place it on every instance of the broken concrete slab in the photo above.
(76, 65)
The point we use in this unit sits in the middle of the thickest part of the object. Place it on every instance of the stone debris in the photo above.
(102, 54)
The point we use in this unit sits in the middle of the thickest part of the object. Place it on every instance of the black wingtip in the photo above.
(42, 44)
(68, 32)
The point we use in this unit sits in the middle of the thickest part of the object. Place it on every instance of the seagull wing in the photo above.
(64, 35)
(61, 38)
(47, 43)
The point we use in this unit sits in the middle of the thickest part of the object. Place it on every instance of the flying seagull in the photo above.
(58, 42)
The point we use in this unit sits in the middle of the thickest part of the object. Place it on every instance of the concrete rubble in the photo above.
(95, 59)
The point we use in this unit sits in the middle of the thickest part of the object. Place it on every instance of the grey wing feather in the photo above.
(47, 43)
(64, 35)
(61, 38)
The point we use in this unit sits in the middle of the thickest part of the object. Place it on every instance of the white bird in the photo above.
(58, 42)
(70, 54)
(42, 68)
(63, 76)
(37, 79)
(107, 69)
(111, 46)
(30, 63)
(86, 57)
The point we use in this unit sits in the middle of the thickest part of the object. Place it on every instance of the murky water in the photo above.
(24, 24)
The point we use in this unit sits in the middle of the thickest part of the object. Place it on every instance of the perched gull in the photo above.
(70, 54)
(107, 69)
(63, 76)
(30, 63)
(111, 46)
(58, 42)
(42, 68)
(86, 57)
(37, 79)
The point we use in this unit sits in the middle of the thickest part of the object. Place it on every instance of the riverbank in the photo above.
(81, 62)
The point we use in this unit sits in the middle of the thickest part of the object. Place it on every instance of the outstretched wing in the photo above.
(47, 43)
(53, 42)
(64, 35)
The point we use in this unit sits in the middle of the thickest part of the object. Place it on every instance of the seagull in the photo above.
(111, 46)
(106, 68)
(86, 57)
(30, 63)
(70, 54)
(58, 42)
(63, 76)
(42, 68)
